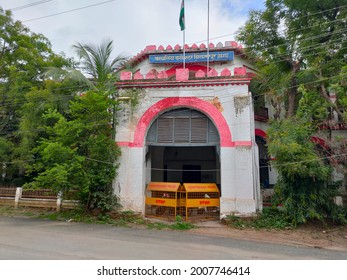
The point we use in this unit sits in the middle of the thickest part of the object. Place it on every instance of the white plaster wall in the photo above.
(228, 198)
(242, 169)
(256, 179)
(339, 134)
(261, 125)
(130, 183)
(241, 116)
(238, 195)
(273, 173)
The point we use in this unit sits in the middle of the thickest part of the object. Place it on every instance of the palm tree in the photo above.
(96, 69)
(97, 63)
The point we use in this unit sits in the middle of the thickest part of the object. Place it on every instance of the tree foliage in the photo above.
(97, 63)
(85, 133)
(304, 186)
(297, 42)
(24, 56)
(78, 154)
(299, 49)
(56, 122)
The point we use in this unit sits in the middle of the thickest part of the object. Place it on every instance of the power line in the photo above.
(295, 30)
(215, 91)
(309, 160)
(70, 11)
(30, 5)
(202, 40)
(306, 39)
(307, 48)
(286, 45)
(189, 170)
(321, 12)
(315, 25)
(306, 56)
(206, 170)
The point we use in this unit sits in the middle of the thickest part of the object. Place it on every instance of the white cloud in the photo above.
(132, 24)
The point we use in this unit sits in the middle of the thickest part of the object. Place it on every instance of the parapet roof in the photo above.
(153, 49)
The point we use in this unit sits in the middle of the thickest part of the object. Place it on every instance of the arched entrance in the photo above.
(183, 146)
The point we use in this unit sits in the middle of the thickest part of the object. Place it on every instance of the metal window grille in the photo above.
(182, 126)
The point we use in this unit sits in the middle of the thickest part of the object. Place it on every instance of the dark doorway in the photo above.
(191, 173)
(184, 164)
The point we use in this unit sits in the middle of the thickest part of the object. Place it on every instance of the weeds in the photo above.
(270, 218)
(115, 218)
(156, 225)
(180, 224)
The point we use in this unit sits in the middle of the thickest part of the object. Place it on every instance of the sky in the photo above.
(131, 24)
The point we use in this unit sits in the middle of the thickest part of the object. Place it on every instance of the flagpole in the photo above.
(208, 35)
(184, 49)
(183, 28)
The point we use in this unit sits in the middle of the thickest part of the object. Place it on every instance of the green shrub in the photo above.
(270, 218)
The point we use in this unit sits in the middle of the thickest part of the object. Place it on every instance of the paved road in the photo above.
(33, 239)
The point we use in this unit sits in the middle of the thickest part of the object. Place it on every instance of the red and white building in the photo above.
(193, 124)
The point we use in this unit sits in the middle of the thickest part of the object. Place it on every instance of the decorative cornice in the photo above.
(189, 83)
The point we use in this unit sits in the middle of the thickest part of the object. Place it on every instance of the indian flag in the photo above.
(181, 19)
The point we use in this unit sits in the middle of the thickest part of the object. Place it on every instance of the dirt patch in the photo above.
(311, 235)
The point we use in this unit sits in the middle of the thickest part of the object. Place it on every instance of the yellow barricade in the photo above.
(192, 201)
(161, 199)
(202, 201)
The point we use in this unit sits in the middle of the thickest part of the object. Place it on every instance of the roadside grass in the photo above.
(180, 224)
(270, 218)
(21, 211)
(114, 218)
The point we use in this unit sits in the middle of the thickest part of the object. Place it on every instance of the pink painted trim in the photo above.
(192, 68)
(123, 144)
(261, 133)
(192, 102)
(222, 81)
(243, 143)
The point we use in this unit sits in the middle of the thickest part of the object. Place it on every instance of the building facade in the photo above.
(194, 123)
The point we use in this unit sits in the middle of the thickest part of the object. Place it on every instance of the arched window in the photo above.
(182, 126)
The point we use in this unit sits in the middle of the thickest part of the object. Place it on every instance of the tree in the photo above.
(299, 49)
(97, 70)
(54, 136)
(294, 42)
(24, 56)
(78, 154)
(98, 65)
(304, 188)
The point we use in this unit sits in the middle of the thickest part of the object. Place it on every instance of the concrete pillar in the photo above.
(228, 187)
(17, 197)
(59, 201)
(132, 187)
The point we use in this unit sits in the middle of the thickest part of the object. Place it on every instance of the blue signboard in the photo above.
(191, 57)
